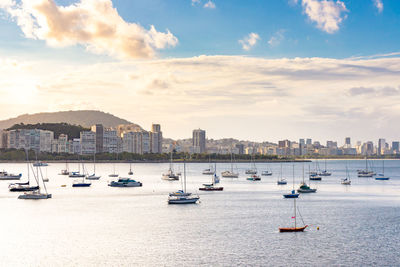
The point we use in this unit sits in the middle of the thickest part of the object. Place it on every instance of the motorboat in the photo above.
(76, 175)
(266, 173)
(125, 182)
(304, 188)
(229, 174)
(9, 176)
(93, 177)
(211, 187)
(40, 164)
(35, 195)
(254, 177)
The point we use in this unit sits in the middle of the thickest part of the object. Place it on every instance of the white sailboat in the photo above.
(114, 174)
(381, 176)
(346, 181)
(170, 175)
(230, 174)
(281, 180)
(93, 176)
(37, 194)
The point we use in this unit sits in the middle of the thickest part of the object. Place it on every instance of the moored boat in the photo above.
(125, 182)
(295, 228)
(9, 176)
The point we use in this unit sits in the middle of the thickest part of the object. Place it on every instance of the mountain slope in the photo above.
(85, 118)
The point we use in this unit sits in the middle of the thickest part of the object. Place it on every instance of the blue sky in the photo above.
(254, 70)
(364, 31)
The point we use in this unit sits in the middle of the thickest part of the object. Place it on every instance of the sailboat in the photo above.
(37, 194)
(81, 183)
(365, 172)
(295, 228)
(170, 175)
(93, 176)
(346, 181)
(210, 170)
(313, 176)
(185, 198)
(9, 176)
(214, 181)
(381, 176)
(304, 188)
(66, 170)
(77, 174)
(114, 174)
(230, 174)
(281, 181)
(253, 169)
(325, 172)
(130, 168)
(23, 187)
(293, 193)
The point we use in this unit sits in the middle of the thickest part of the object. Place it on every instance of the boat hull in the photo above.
(281, 182)
(183, 200)
(315, 178)
(115, 184)
(382, 178)
(34, 196)
(93, 178)
(292, 229)
(211, 188)
(82, 185)
(291, 195)
(307, 190)
(24, 189)
(10, 177)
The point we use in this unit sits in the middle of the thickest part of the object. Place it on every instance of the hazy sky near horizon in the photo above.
(253, 70)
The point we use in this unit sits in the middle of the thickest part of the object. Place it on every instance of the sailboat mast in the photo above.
(295, 222)
(293, 176)
(94, 162)
(231, 161)
(184, 176)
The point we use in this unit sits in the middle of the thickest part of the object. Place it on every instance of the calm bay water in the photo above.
(103, 226)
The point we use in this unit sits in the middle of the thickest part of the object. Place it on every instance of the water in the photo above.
(104, 226)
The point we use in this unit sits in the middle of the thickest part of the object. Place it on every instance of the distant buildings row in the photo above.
(133, 139)
(125, 138)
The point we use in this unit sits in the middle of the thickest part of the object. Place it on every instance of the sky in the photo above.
(253, 70)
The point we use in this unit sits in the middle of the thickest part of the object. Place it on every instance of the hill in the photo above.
(84, 118)
(73, 131)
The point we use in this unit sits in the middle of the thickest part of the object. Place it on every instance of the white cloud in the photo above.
(95, 24)
(327, 14)
(249, 41)
(277, 38)
(210, 5)
(379, 5)
(229, 96)
(195, 2)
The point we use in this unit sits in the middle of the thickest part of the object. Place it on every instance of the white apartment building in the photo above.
(87, 143)
(38, 140)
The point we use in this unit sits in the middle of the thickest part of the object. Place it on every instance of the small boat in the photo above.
(130, 169)
(125, 182)
(81, 183)
(36, 194)
(325, 172)
(230, 174)
(46, 180)
(76, 175)
(314, 177)
(381, 176)
(212, 187)
(208, 171)
(282, 181)
(9, 176)
(170, 175)
(295, 228)
(64, 172)
(266, 173)
(251, 171)
(22, 187)
(254, 177)
(185, 198)
(291, 195)
(40, 164)
(365, 173)
(179, 193)
(114, 174)
(304, 188)
(346, 181)
(93, 177)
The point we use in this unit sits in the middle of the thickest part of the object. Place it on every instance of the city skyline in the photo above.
(289, 69)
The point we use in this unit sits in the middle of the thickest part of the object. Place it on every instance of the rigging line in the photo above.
(301, 217)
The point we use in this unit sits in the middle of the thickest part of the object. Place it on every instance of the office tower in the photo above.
(156, 139)
(308, 141)
(99, 130)
(381, 146)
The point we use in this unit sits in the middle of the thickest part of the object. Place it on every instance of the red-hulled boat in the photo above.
(292, 229)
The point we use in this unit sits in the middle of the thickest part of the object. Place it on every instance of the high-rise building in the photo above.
(240, 148)
(99, 130)
(35, 139)
(309, 141)
(156, 138)
(395, 147)
(284, 144)
(381, 146)
(347, 142)
(331, 144)
(199, 141)
(302, 141)
(87, 142)
(111, 141)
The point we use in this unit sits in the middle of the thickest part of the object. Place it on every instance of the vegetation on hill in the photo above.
(73, 131)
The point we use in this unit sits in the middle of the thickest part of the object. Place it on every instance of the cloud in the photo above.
(249, 41)
(374, 92)
(327, 14)
(210, 5)
(196, 2)
(379, 5)
(277, 38)
(94, 24)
